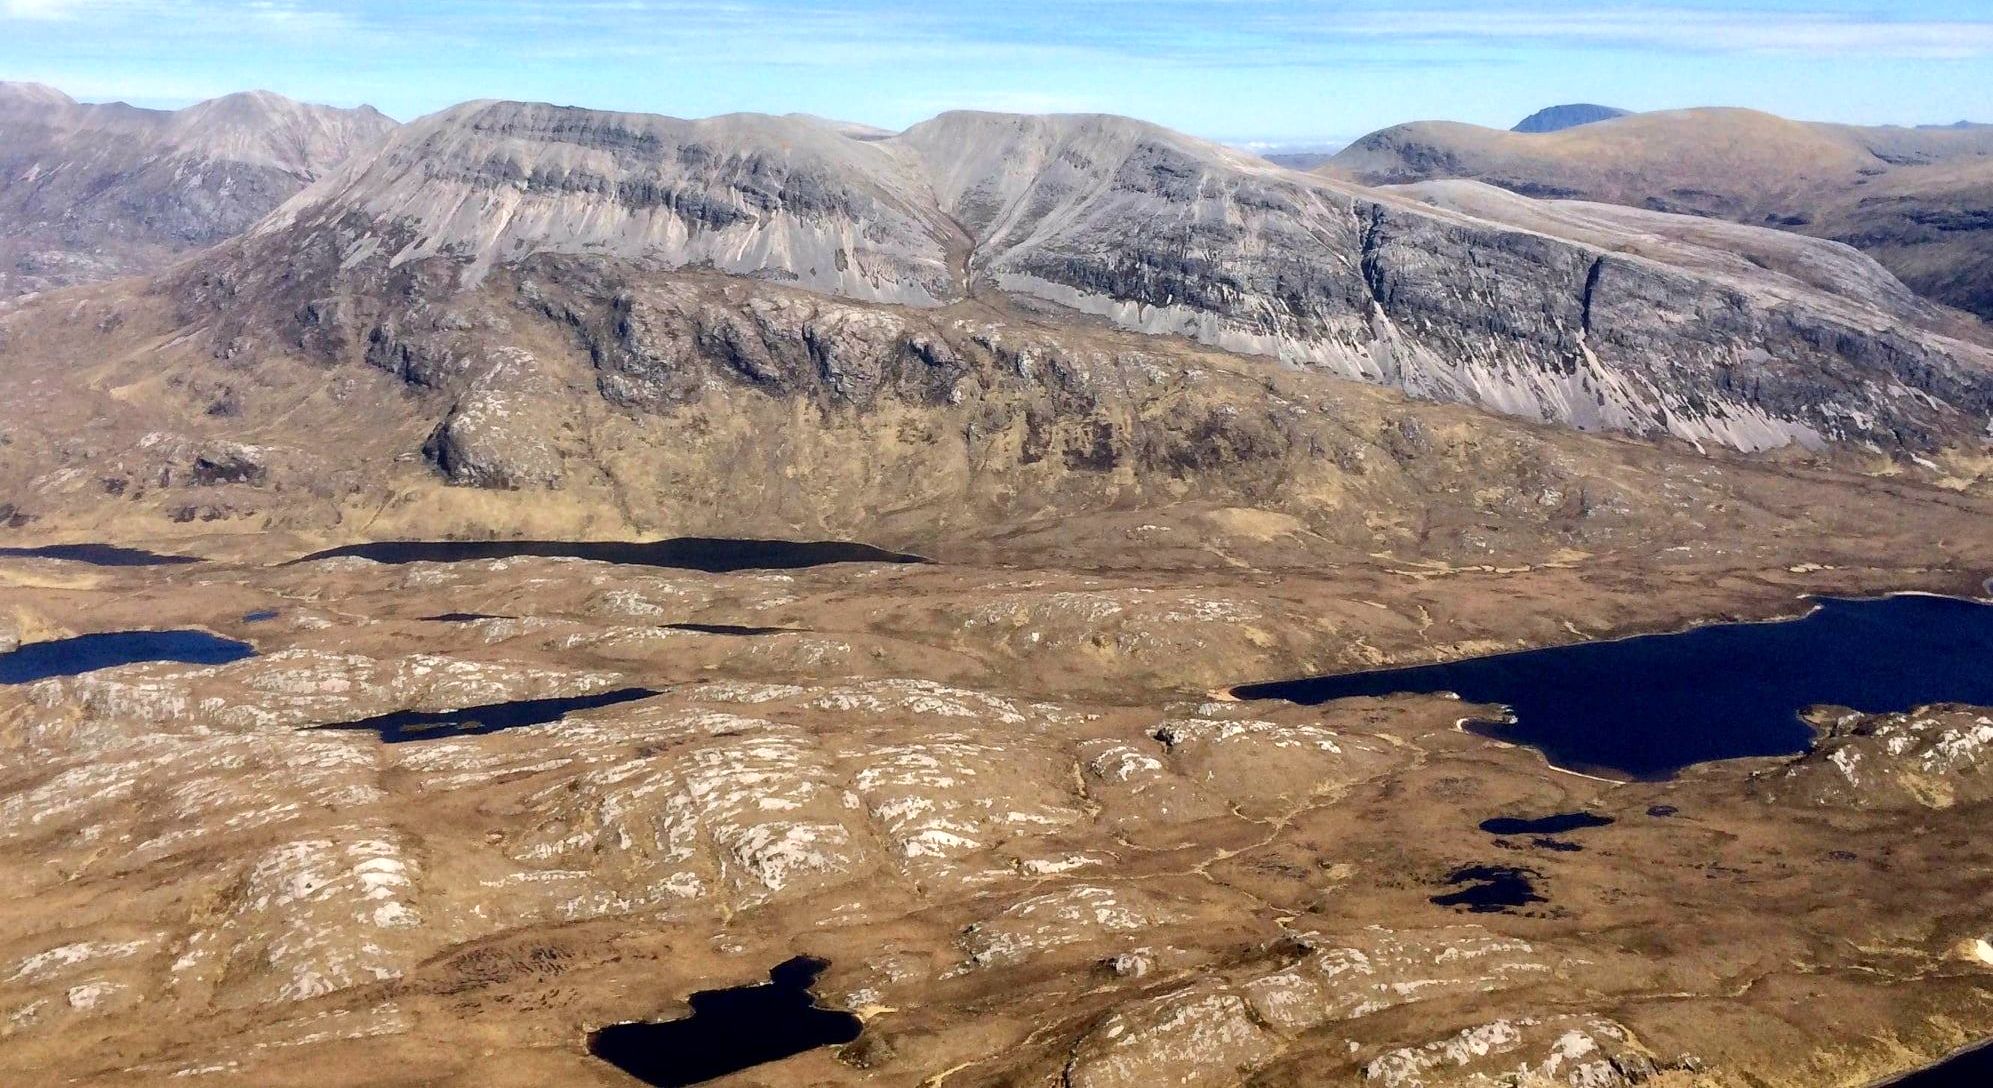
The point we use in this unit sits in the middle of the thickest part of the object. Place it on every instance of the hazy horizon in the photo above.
(1261, 73)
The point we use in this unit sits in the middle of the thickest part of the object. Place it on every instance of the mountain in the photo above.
(651, 323)
(89, 191)
(1149, 231)
(1294, 156)
(1559, 118)
(1916, 199)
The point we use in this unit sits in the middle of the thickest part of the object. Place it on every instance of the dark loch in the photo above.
(1971, 1068)
(1490, 889)
(697, 628)
(1562, 846)
(1545, 825)
(711, 554)
(88, 653)
(1646, 707)
(729, 1030)
(99, 555)
(403, 726)
(728, 629)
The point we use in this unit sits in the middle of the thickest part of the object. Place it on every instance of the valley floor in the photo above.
(1006, 803)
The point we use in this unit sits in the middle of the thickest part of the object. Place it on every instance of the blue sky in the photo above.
(1282, 71)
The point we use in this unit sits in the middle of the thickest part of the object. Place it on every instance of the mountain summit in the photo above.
(1558, 118)
(90, 191)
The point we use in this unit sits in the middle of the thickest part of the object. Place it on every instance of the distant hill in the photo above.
(1559, 118)
(1919, 200)
(1299, 160)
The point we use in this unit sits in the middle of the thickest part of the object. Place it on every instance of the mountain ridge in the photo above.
(1156, 232)
(561, 318)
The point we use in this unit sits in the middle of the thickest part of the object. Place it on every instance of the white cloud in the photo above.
(74, 10)
(40, 9)
(187, 16)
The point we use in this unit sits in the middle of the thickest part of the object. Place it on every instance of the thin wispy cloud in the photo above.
(1180, 32)
(1689, 30)
(156, 20)
(53, 9)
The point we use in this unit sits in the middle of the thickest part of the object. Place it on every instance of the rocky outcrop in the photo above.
(1577, 1051)
(1341, 977)
(287, 690)
(1194, 1039)
(1214, 1033)
(1936, 757)
(89, 192)
(229, 463)
(502, 431)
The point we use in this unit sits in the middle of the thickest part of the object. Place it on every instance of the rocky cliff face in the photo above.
(90, 192)
(1153, 232)
(790, 199)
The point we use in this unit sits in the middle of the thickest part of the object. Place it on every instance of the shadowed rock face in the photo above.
(589, 399)
(1150, 230)
(90, 192)
(1915, 199)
